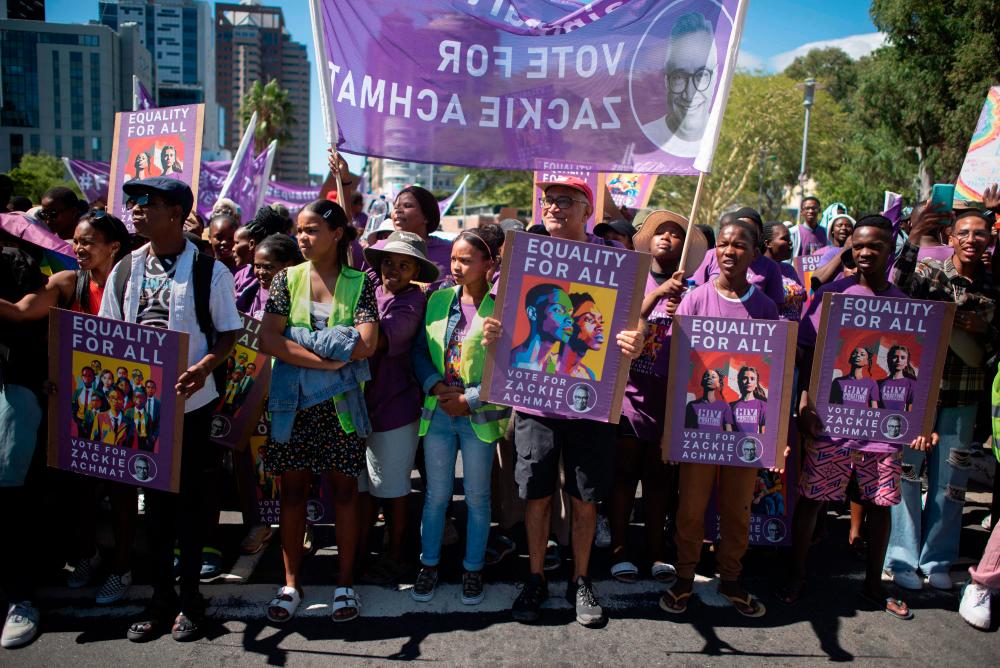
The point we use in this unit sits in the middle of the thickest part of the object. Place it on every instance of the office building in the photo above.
(62, 85)
(390, 176)
(253, 44)
(179, 35)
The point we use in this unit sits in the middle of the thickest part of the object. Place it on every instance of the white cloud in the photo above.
(749, 61)
(855, 46)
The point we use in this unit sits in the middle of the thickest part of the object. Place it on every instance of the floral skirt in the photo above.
(318, 444)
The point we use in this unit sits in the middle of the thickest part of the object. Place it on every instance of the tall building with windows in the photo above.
(390, 176)
(179, 35)
(252, 44)
(62, 85)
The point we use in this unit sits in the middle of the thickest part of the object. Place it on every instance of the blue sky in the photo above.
(774, 29)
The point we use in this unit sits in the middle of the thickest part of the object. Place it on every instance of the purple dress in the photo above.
(748, 416)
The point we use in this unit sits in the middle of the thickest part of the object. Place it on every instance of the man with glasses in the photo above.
(167, 284)
(689, 79)
(585, 447)
(60, 211)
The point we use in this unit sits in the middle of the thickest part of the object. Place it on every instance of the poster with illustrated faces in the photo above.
(241, 396)
(165, 141)
(878, 365)
(729, 391)
(115, 414)
(561, 304)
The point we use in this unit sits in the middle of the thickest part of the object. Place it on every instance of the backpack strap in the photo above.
(204, 265)
(82, 292)
(121, 281)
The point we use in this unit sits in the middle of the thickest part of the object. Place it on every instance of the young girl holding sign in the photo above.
(319, 295)
(729, 295)
(828, 464)
(448, 359)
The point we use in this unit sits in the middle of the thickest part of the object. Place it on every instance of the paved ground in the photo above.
(825, 626)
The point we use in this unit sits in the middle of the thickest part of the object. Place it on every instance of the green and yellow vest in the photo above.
(346, 294)
(489, 421)
(995, 413)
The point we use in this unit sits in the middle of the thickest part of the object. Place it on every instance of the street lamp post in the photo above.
(809, 94)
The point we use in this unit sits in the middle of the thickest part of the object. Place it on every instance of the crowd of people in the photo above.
(379, 333)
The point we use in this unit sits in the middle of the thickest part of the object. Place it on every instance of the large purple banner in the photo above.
(633, 85)
(561, 303)
(729, 390)
(115, 414)
(878, 365)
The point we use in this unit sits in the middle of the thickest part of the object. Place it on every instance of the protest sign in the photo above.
(771, 509)
(115, 414)
(561, 303)
(551, 170)
(728, 392)
(241, 401)
(982, 161)
(629, 190)
(154, 142)
(877, 367)
(806, 266)
(319, 504)
(635, 86)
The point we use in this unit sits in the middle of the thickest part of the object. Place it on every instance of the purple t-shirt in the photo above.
(748, 416)
(854, 391)
(763, 273)
(807, 339)
(896, 393)
(704, 414)
(646, 390)
(244, 278)
(706, 300)
(939, 253)
(811, 240)
(439, 252)
(393, 396)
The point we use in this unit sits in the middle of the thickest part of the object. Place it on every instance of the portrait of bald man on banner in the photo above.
(689, 76)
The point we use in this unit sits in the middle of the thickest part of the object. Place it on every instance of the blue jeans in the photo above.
(927, 538)
(441, 444)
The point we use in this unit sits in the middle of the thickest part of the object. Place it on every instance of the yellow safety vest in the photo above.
(346, 294)
(996, 416)
(489, 421)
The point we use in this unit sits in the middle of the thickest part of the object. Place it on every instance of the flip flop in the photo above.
(625, 571)
(675, 604)
(887, 605)
(748, 607)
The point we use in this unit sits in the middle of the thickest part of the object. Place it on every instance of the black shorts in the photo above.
(587, 449)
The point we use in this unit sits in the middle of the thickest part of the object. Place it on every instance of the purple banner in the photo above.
(241, 401)
(291, 196)
(91, 177)
(729, 390)
(635, 85)
(561, 304)
(154, 142)
(244, 184)
(141, 98)
(115, 415)
(877, 366)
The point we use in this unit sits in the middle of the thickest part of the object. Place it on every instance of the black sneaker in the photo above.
(472, 588)
(533, 593)
(423, 588)
(588, 610)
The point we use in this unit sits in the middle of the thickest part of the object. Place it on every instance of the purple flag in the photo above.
(141, 98)
(91, 177)
(248, 174)
(446, 203)
(633, 85)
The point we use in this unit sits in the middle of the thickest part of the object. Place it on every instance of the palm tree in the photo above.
(274, 113)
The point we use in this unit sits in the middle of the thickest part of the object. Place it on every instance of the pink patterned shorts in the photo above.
(827, 468)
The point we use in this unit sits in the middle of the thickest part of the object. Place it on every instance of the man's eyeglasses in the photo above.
(138, 200)
(677, 81)
(975, 234)
(563, 202)
(49, 214)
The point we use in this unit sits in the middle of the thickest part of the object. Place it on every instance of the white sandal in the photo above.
(287, 599)
(344, 597)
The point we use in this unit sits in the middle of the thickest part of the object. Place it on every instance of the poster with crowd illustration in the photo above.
(115, 414)
(729, 391)
(878, 366)
(155, 142)
(560, 303)
(319, 506)
(247, 380)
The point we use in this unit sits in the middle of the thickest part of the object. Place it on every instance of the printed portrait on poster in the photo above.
(247, 377)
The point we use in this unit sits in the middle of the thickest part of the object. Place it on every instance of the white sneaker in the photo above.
(114, 588)
(21, 625)
(941, 580)
(83, 571)
(602, 536)
(907, 580)
(974, 608)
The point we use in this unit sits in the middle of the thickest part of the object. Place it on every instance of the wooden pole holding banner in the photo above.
(694, 212)
(329, 113)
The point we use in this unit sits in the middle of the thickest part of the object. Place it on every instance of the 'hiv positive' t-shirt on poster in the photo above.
(115, 414)
(878, 364)
(561, 303)
(728, 390)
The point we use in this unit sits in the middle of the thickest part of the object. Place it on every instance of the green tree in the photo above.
(831, 66)
(497, 186)
(275, 114)
(37, 173)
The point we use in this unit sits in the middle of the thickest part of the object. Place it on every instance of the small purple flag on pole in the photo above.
(141, 98)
